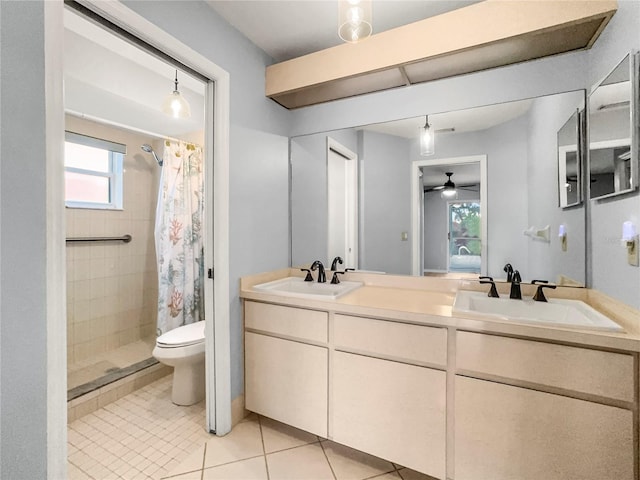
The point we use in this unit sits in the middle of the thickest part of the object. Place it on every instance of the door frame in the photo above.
(351, 181)
(417, 209)
(217, 331)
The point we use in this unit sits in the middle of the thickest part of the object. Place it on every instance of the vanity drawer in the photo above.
(289, 321)
(582, 370)
(391, 339)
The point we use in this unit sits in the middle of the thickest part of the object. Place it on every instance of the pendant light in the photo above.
(354, 20)
(427, 139)
(449, 191)
(175, 104)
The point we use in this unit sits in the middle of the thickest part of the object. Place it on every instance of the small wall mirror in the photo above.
(613, 120)
(569, 162)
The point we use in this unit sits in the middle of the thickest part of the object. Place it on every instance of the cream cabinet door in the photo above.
(510, 433)
(389, 409)
(287, 381)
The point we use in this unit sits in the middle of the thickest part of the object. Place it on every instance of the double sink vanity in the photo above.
(431, 374)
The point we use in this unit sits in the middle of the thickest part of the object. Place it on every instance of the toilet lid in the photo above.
(182, 336)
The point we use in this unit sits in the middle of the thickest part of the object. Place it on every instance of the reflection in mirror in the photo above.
(613, 164)
(569, 171)
(452, 217)
(519, 142)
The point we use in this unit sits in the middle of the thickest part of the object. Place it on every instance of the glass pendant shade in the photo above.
(354, 20)
(175, 104)
(427, 139)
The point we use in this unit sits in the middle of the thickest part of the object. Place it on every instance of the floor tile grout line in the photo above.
(264, 450)
(204, 458)
(233, 461)
(328, 462)
(288, 448)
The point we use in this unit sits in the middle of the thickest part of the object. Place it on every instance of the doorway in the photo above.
(216, 231)
(342, 198)
(428, 245)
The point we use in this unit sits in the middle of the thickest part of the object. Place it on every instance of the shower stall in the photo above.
(112, 276)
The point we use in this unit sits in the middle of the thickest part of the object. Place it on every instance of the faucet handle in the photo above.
(335, 280)
(308, 278)
(336, 261)
(539, 295)
(493, 292)
(509, 271)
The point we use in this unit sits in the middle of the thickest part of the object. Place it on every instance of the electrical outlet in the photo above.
(404, 236)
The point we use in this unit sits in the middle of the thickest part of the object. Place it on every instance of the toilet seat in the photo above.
(184, 336)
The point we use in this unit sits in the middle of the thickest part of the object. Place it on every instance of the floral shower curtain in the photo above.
(178, 237)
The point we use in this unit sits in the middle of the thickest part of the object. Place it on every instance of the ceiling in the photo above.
(111, 80)
(292, 28)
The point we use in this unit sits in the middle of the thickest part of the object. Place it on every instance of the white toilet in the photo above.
(183, 349)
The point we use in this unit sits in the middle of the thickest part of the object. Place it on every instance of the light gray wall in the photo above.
(386, 196)
(505, 146)
(309, 201)
(23, 327)
(547, 260)
(610, 272)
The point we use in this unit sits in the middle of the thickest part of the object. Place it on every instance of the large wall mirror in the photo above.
(503, 162)
(613, 148)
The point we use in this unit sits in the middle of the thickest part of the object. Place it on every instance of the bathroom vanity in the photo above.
(389, 370)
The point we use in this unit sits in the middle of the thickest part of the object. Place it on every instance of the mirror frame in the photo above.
(563, 150)
(634, 126)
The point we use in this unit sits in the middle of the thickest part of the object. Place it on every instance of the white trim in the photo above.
(55, 247)
(217, 332)
(416, 209)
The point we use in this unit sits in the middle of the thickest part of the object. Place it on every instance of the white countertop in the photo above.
(429, 302)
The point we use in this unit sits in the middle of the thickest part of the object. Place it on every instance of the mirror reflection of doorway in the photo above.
(451, 230)
(342, 212)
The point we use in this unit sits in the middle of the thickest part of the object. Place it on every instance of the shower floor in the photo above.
(109, 363)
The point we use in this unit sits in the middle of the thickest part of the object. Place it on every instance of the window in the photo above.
(464, 236)
(93, 172)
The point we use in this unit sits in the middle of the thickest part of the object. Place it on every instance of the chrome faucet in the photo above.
(321, 275)
(336, 261)
(515, 286)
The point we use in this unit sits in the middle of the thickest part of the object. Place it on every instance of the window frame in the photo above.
(114, 175)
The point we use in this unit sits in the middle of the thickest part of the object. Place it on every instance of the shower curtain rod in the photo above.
(120, 125)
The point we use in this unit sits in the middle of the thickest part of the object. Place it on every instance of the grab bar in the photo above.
(125, 238)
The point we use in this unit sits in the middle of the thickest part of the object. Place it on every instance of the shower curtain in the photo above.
(178, 237)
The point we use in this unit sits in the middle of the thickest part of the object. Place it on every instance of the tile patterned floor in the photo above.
(145, 436)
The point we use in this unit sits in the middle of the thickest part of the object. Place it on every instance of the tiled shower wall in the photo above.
(112, 286)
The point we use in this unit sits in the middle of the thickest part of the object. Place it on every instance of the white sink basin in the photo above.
(297, 287)
(557, 312)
